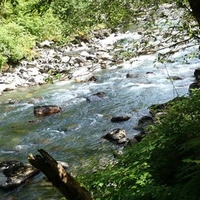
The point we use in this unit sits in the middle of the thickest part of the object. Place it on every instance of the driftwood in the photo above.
(62, 180)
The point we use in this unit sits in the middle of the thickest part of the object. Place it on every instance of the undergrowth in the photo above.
(165, 165)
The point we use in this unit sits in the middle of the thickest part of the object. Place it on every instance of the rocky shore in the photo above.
(53, 63)
(102, 49)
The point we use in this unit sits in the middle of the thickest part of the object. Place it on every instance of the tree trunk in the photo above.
(195, 6)
(55, 173)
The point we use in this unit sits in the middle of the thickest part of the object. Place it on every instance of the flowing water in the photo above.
(75, 134)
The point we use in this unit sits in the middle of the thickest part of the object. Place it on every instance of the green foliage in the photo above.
(86, 14)
(15, 43)
(164, 165)
(20, 30)
(64, 20)
(42, 27)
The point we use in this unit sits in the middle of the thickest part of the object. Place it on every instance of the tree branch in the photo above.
(63, 181)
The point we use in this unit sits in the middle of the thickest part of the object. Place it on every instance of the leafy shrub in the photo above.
(86, 14)
(42, 27)
(20, 29)
(15, 43)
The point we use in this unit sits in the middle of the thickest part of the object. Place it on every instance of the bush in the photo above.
(42, 27)
(15, 43)
(21, 27)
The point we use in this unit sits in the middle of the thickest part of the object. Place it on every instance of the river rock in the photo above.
(96, 97)
(7, 87)
(133, 76)
(175, 78)
(100, 33)
(144, 122)
(197, 74)
(120, 118)
(14, 173)
(117, 135)
(45, 44)
(131, 142)
(83, 75)
(140, 136)
(194, 86)
(46, 110)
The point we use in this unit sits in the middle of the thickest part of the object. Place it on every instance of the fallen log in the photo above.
(59, 177)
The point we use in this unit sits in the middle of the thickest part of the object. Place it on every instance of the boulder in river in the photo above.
(14, 173)
(175, 78)
(194, 86)
(83, 75)
(97, 96)
(117, 135)
(197, 74)
(46, 110)
(144, 122)
(120, 118)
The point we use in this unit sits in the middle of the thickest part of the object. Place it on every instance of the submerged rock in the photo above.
(46, 110)
(133, 76)
(175, 78)
(97, 96)
(14, 173)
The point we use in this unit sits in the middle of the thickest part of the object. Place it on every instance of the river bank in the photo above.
(102, 50)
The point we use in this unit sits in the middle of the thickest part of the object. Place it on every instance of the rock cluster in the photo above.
(75, 61)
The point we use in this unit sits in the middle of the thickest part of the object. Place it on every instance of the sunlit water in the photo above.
(75, 135)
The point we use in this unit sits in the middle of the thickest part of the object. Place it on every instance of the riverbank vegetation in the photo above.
(165, 165)
(24, 23)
